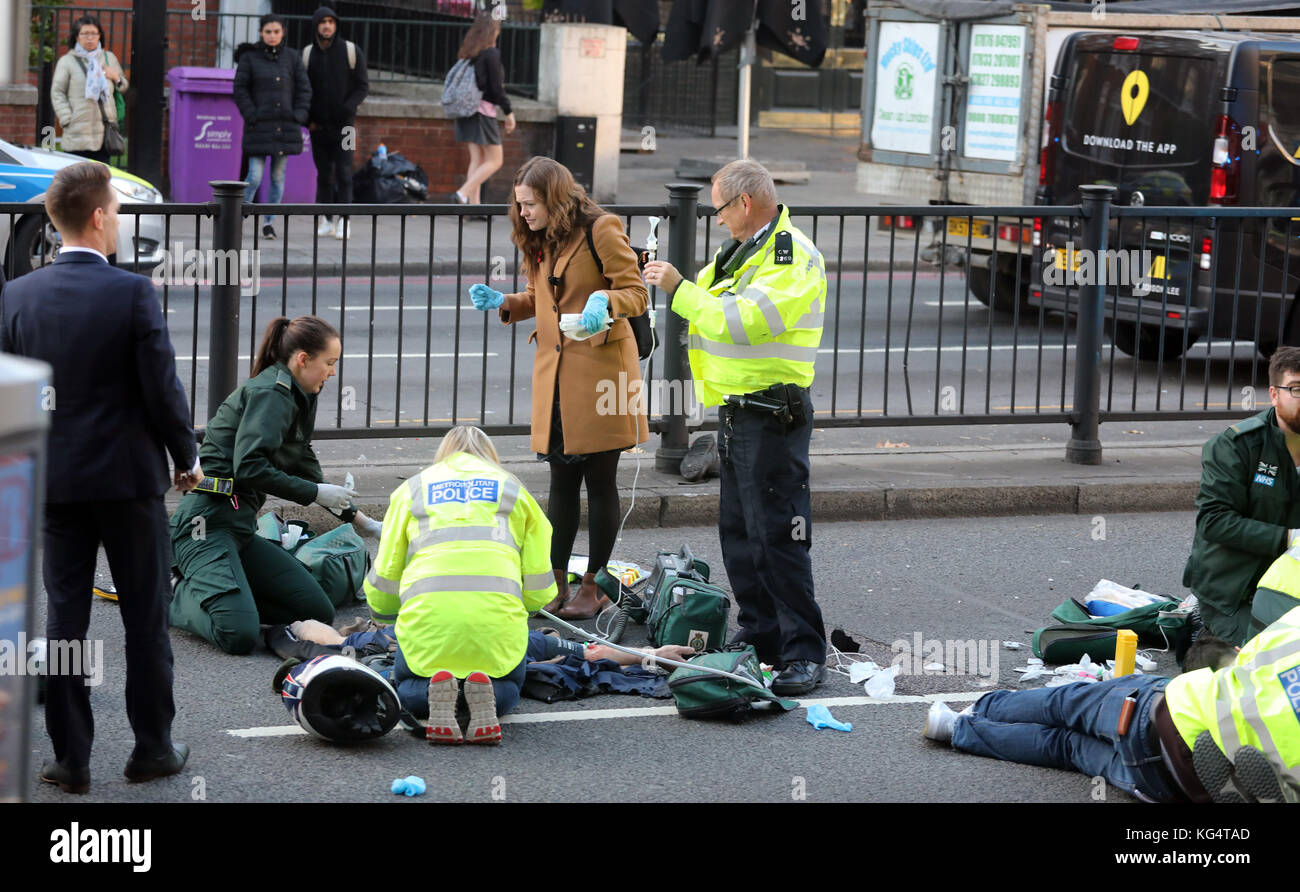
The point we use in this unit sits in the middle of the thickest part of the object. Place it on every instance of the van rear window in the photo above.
(1141, 110)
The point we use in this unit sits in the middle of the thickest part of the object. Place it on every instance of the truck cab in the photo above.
(1191, 119)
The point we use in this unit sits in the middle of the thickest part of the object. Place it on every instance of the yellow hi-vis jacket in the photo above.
(1254, 702)
(759, 326)
(1278, 590)
(464, 557)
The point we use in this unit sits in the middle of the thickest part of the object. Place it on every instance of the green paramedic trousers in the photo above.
(234, 580)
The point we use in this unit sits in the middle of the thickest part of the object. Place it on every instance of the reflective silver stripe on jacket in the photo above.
(443, 535)
(771, 350)
(537, 582)
(1249, 701)
(387, 586)
(475, 583)
(383, 617)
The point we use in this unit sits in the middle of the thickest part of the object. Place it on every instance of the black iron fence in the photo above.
(1117, 314)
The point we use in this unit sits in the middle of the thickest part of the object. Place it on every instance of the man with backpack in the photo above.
(337, 71)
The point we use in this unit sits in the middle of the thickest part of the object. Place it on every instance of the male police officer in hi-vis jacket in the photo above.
(755, 318)
(1248, 506)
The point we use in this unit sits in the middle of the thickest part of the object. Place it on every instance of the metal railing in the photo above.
(417, 50)
(905, 341)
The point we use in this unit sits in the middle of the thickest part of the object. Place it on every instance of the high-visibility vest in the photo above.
(762, 324)
(464, 557)
(1254, 702)
(1279, 589)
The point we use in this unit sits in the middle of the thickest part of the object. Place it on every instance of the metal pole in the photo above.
(683, 199)
(223, 328)
(144, 118)
(748, 50)
(1084, 447)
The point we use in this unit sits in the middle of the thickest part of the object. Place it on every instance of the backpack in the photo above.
(337, 559)
(700, 695)
(352, 54)
(460, 93)
(642, 330)
(1079, 633)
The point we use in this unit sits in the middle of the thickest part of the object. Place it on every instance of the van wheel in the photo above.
(1144, 341)
(1004, 289)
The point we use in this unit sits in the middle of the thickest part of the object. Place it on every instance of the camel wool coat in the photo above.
(603, 403)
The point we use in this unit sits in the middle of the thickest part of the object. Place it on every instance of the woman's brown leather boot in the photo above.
(562, 597)
(589, 601)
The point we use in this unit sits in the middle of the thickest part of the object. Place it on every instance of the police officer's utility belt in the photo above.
(785, 401)
(217, 486)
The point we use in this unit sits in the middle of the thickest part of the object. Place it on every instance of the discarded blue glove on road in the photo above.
(596, 313)
(820, 717)
(485, 298)
(410, 785)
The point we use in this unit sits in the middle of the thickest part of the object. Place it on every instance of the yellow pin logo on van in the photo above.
(1133, 95)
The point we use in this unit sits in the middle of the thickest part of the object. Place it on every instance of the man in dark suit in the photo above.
(117, 408)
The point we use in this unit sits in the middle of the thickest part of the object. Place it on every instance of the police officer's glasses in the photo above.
(1293, 389)
(719, 211)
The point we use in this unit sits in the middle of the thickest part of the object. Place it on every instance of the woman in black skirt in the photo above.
(479, 131)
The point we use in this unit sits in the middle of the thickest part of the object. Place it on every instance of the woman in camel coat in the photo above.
(588, 402)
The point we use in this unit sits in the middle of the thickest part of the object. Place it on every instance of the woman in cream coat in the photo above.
(77, 108)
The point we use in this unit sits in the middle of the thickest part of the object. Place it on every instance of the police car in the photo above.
(30, 241)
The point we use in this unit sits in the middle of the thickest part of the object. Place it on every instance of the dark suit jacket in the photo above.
(118, 405)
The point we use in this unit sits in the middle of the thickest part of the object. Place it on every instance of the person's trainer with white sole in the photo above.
(464, 557)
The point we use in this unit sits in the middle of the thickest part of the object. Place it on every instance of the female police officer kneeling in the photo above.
(232, 579)
(463, 559)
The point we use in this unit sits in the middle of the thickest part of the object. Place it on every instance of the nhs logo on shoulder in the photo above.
(477, 490)
(1265, 479)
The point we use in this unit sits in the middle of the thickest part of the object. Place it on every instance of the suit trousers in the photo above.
(134, 536)
(765, 529)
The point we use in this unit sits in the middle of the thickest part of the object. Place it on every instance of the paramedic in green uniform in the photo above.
(1248, 506)
(232, 580)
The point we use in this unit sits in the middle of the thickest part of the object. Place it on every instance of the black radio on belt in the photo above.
(785, 401)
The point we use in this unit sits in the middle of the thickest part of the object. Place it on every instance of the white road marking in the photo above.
(578, 715)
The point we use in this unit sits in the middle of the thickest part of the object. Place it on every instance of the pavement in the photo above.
(888, 482)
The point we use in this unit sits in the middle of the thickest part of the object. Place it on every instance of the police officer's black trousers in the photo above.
(765, 526)
(134, 535)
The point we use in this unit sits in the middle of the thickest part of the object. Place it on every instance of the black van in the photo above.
(1177, 119)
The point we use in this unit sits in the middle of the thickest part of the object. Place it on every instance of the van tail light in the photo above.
(1225, 170)
(1125, 43)
(1207, 248)
(1013, 233)
(1038, 232)
(1050, 140)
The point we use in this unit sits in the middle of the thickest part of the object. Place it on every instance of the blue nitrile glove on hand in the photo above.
(820, 717)
(596, 313)
(410, 785)
(485, 298)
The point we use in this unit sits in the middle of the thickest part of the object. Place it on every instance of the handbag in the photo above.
(114, 143)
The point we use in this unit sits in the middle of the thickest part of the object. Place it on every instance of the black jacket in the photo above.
(118, 407)
(490, 75)
(336, 90)
(273, 96)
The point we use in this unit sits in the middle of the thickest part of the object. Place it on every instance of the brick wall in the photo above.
(430, 143)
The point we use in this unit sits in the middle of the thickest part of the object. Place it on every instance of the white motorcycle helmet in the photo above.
(340, 700)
